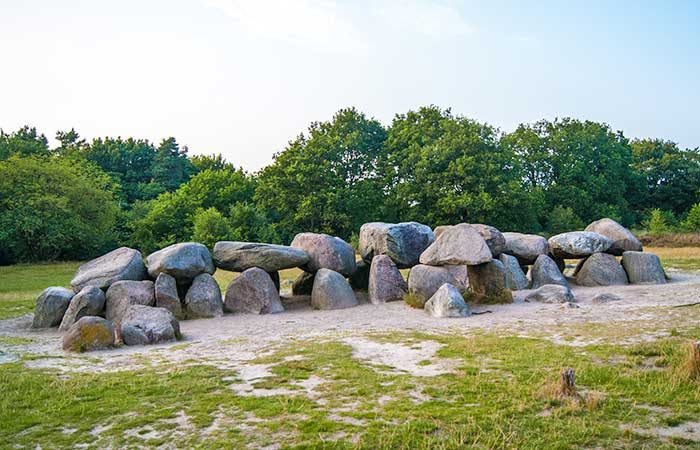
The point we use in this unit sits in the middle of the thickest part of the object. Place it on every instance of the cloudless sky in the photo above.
(242, 78)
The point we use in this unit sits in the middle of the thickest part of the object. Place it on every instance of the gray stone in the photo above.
(203, 298)
(332, 291)
(578, 244)
(253, 292)
(493, 237)
(605, 297)
(447, 302)
(303, 284)
(145, 325)
(515, 277)
(622, 239)
(50, 307)
(458, 245)
(90, 301)
(385, 281)
(121, 264)
(360, 279)
(525, 247)
(326, 252)
(89, 333)
(402, 242)
(551, 293)
(643, 268)
(167, 296)
(240, 256)
(487, 282)
(123, 294)
(424, 281)
(601, 269)
(545, 271)
(183, 261)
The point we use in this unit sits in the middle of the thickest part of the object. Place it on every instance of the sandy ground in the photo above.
(644, 312)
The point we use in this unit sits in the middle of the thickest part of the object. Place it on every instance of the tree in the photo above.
(692, 220)
(171, 167)
(210, 162)
(249, 223)
(54, 209)
(210, 226)
(23, 142)
(658, 223)
(328, 180)
(562, 219)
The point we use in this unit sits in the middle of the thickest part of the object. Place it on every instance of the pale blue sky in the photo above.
(244, 77)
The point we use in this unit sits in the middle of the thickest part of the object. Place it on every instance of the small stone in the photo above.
(385, 281)
(447, 302)
(90, 301)
(50, 307)
(145, 325)
(332, 291)
(605, 297)
(89, 333)
(551, 293)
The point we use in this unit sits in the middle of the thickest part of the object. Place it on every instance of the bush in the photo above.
(209, 227)
(563, 219)
(54, 208)
(659, 222)
(692, 220)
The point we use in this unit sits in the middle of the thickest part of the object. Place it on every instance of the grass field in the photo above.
(502, 392)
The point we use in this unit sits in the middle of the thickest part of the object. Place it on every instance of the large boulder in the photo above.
(385, 281)
(167, 295)
(643, 268)
(458, 245)
(203, 298)
(545, 271)
(90, 301)
(332, 291)
(303, 284)
(144, 325)
(402, 242)
(240, 256)
(515, 277)
(578, 244)
(360, 279)
(525, 247)
(487, 283)
(121, 264)
(123, 294)
(424, 281)
(622, 239)
(326, 252)
(50, 307)
(551, 293)
(89, 333)
(253, 292)
(601, 269)
(447, 302)
(493, 237)
(183, 261)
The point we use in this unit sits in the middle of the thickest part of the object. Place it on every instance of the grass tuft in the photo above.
(414, 301)
(689, 369)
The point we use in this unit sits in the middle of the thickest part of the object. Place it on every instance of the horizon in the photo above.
(243, 79)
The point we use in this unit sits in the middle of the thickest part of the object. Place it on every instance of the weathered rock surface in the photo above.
(144, 325)
(525, 247)
(326, 252)
(240, 256)
(332, 291)
(360, 279)
(578, 244)
(203, 298)
(447, 302)
(385, 281)
(253, 292)
(515, 277)
(90, 301)
(167, 296)
(123, 294)
(551, 293)
(183, 261)
(545, 271)
(601, 269)
(424, 281)
(50, 307)
(488, 282)
(643, 268)
(622, 239)
(89, 333)
(402, 242)
(303, 284)
(493, 237)
(458, 245)
(605, 297)
(121, 264)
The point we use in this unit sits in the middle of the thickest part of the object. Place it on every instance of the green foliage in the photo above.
(692, 220)
(54, 209)
(658, 222)
(249, 223)
(23, 142)
(209, 227)
(563, 219)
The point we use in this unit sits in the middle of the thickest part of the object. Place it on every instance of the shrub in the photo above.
(692, 220)
(658, 222)
(209, 227)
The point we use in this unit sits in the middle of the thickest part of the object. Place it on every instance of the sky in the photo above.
(243, 78)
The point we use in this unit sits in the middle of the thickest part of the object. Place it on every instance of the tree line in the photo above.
(81, 198)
